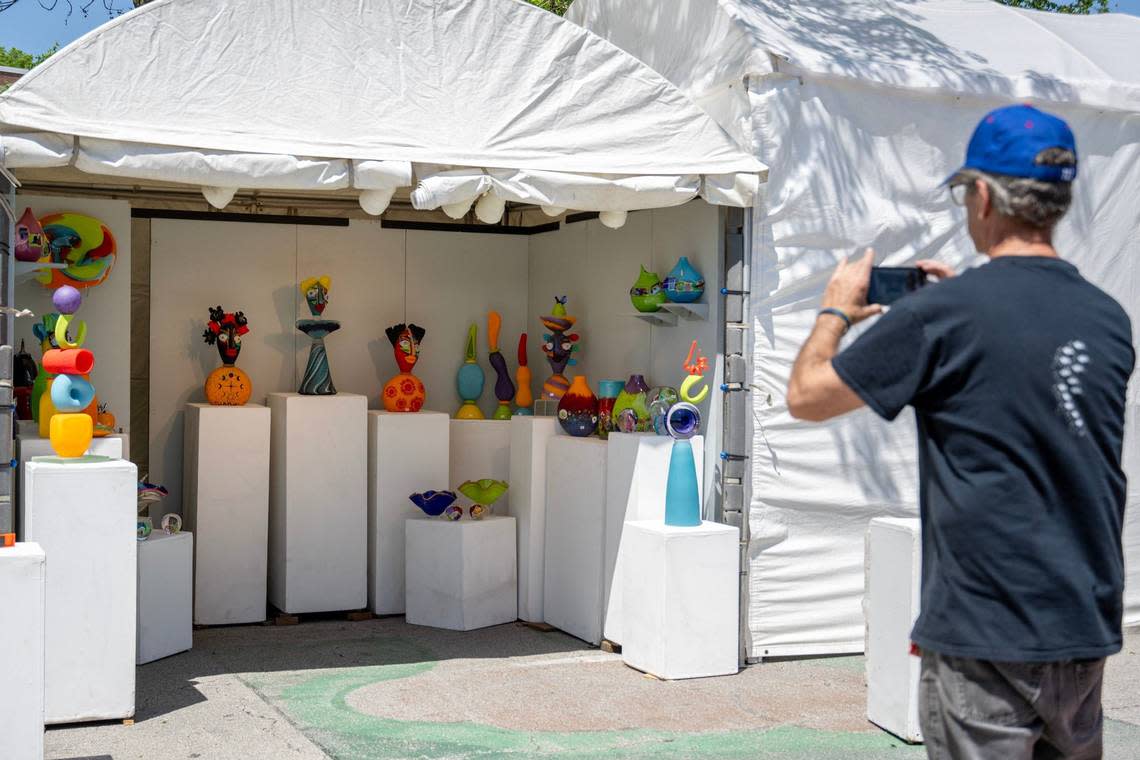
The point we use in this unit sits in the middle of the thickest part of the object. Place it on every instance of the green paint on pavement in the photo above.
(316, 702)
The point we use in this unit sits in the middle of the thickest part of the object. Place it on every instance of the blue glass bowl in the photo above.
(433, 503)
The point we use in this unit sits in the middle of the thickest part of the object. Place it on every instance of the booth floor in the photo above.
(384, 689)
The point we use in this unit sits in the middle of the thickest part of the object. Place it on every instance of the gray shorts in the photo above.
(978, 710)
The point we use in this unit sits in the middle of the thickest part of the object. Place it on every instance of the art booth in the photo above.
(860, 109)
(335, 316)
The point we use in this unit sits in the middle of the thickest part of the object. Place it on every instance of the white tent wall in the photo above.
(854, 166)
(442, 281)
(106, 308)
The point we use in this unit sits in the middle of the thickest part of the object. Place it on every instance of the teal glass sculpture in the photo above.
(682, 496)
(469, 380)
(317, 380)
(684, 283)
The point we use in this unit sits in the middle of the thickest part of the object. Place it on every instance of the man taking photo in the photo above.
(1017, 372)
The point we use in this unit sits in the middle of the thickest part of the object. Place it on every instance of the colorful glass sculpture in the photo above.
(647, 293)
(405, 392)
(64, 406)
(684, 283)
(523, 397)
(578, 409)
(504, 388)
(631, 409)
(696, 366)
(683, 421)
(434, 503)
(317, 380)
(608, 391)
(30, 238)
(659, 401)
(484, 492)
(227, 385)
(469, 380)
(81, 242)
(559, 347)
(45, 334)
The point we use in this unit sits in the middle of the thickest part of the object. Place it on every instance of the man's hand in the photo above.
(937, 268)
(847, 290)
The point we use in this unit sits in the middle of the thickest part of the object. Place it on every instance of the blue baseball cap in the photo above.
(1008, 140)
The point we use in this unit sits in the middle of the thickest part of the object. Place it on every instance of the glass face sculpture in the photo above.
(317, 380)
(559, 347)
(83, 244)
(504, 388)
(227, 385)
(405, 392)
(469, 380)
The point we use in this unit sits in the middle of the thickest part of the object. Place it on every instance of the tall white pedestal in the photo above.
(481, 449)
(22, 589)
(318, 516)
(461, 575)
(407, 453)
(83, 515)
(225, 500)
(575, 536)
(890, 606)
(682, 595)
(31, 445)
(530, 436)
(165, 576)
(637, 471)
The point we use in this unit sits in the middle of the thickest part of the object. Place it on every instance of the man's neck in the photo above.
(1017, 245)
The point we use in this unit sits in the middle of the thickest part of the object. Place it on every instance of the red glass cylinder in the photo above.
(69, 361)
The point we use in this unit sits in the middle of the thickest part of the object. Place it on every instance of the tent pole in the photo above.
(7, 327)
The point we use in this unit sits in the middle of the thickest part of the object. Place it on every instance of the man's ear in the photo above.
(985, 202)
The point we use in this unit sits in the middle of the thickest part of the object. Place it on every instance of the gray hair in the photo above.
(1032, 202)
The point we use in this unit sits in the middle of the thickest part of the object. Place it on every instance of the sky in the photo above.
(29, 26)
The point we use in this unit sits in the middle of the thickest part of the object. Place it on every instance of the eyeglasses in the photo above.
(958, 192)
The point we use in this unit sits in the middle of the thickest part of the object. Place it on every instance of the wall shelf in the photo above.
(656, 318)
(688, 311)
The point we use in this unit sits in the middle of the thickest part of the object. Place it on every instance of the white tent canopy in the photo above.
(468, 97)
(860, 108)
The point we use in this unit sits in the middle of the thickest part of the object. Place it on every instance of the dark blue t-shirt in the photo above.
(1017, 372)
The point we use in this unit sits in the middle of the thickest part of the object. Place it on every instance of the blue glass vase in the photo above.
(684, 283)
(682, 497)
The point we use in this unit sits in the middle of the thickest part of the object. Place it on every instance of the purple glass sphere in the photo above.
(66, 299)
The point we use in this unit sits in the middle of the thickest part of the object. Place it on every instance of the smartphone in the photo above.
(889, 284)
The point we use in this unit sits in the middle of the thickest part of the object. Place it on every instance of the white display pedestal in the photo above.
(225, 500)
(891, 602)
(22, 589)
(165, 578)
(481, 449)
(461, 574)
(27, 446)
(575, 536)
(682, 597)
(530, 436)
(318, 517)
(83, 515)
(407, 453)
(637, 471)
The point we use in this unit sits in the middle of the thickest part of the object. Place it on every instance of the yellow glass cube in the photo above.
(71, 434)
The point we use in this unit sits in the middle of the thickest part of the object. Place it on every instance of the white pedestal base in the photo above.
(637, 470)
(481, 449)
(318, 518)
(529, 438)
(83, 515)
(225, 500)
(575, 536)
(681, 592)
(22, 589)
(461, 575)
(165, 577)
(894, 570)
(407, 453)
(31, 445)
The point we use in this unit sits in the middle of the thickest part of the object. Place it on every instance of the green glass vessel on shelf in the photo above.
(647, 294)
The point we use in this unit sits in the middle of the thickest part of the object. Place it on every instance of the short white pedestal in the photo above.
(22, 591)
(83, 515)
(481, 449)
(461, 574)
(225, 500)
(575, 536)
(27, 446)
(681, 599)
(318, 516)
(891, 602)
(529, 438)
(637, 471)
(165, 577)
(407, 453)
